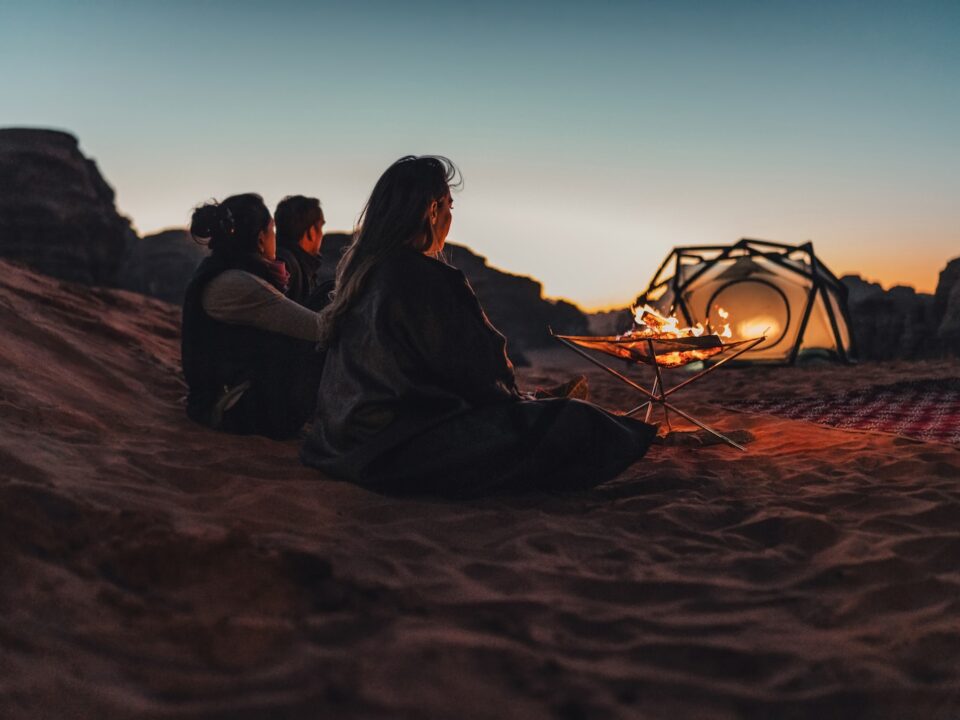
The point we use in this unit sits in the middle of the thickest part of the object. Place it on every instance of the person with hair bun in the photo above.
(248, 352)
(419, 394)
(299, 238)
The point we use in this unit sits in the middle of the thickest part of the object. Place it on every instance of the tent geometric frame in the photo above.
(691, 273)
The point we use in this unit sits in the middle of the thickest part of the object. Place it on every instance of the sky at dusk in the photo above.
(592, 137)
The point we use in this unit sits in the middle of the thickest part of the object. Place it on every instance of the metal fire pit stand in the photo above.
(658, 395)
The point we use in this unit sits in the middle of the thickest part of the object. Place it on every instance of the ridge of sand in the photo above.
(151, 568)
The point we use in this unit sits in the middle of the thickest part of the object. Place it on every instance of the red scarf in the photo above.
(277, 274)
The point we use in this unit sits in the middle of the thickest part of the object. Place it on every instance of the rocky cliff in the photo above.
(515, 304)
(947, 305)
(161, 265)
(57, 213)
(898, 323)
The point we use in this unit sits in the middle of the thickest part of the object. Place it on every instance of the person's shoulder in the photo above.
(411, 267)
(410, 278)
(405, 267)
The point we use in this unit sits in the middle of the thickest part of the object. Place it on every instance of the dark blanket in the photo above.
(417, 395)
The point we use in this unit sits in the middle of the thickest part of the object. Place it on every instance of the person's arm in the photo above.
(239, 298)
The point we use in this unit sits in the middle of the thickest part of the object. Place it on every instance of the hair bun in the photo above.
(212, 220)
(231, 227)
(205, 221)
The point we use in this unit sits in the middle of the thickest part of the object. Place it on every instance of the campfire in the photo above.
(659, 341)
(699, 342)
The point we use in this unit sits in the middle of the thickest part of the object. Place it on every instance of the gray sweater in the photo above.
(239, 298)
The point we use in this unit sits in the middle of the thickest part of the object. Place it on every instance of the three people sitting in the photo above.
(416, 393)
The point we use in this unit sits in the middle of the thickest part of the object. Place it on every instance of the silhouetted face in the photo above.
(268, 241)
(440, 215)
(313, 238)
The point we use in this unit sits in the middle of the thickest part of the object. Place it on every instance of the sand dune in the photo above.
(151, 568)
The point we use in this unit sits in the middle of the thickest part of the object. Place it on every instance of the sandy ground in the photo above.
(150, 568)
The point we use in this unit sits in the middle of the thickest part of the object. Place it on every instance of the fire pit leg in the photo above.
(713, 367)
(659, 383)
(660, 393)
(700, 425)
(649, 403)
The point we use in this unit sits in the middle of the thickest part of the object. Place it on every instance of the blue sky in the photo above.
(592, 136)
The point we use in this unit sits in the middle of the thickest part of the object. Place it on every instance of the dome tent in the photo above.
(781, 290)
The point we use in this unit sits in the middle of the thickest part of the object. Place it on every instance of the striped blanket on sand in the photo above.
(920, 409)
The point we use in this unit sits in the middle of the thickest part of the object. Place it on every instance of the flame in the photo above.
(725, 331)
(649, 323)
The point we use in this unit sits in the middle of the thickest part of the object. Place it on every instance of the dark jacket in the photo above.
(419, 396)
(304, 287)
(282, 372)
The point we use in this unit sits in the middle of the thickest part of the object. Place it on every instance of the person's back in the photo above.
(394, 369)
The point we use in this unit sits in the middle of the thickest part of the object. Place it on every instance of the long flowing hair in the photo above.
(395, 217)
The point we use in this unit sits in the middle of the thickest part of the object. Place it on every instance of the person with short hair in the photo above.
(300, 224)
(419, 394)
(248, 352)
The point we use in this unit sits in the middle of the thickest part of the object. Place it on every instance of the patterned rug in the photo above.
(920, 409)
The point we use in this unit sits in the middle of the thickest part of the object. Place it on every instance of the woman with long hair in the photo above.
(248, 352)
(419, 395)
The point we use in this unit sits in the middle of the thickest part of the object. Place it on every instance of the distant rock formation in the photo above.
(947, 303)
(894, 324)
(57, 213)
(161, 265)
(515, 304)
(610, 322)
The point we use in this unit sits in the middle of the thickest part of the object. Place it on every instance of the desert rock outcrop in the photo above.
(57, 213)
(161, 265)
(947, 302)
(894, 324)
